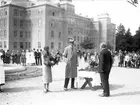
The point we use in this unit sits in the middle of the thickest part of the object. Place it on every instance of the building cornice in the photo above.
(12, 5)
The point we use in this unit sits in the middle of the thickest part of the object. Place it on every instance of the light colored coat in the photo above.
(47, 73)
(71, 62)
(2, 73)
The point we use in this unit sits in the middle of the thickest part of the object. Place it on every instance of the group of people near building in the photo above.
(127, 59)
(23, 57)
(70, 54)
(104, 61)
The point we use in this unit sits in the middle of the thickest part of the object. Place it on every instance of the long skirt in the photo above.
(47, 74)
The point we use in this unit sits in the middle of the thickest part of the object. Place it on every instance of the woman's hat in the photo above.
(71, 40)
(46, 47)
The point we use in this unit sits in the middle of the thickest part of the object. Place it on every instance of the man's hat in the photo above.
(103, 45)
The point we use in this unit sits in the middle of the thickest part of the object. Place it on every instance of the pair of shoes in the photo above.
(65, 89)
(104, 95)
(46, 90)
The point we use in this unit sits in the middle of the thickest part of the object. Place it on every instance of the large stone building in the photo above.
(26, 24)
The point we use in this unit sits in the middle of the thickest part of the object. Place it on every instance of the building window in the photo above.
(59, 45)
(21, 34)
(29, 12)
(78, 38)
(26, 34)
(40, 11)
(30, 23)
(15, 44)
(68, 31)
(75, 38)
(78, 46)
(5, 33)
(26, 22)
(5, 22)
(5, 44)
(81, 39)
(59, 35)
(15, 22)
(39, 22)
(15, 12)
(51, 25)
(26, 45)
(39, 44)
(0, 44)
(21, 45)
(52, 45)
(1, 33)
(29, 34)
(5, 12)
(84, 38)
(53, 13)
(21, 23)
(29, 45)
(52, 34)
(21, 13)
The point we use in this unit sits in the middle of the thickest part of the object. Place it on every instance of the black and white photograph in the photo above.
(69, 52)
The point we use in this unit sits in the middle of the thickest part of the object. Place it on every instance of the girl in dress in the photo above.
(47, 73)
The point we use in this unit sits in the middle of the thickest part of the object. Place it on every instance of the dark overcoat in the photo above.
(105, 61)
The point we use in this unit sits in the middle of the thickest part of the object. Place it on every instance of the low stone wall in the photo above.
(29, 72)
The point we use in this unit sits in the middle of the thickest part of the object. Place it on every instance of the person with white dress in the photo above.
(32, 57)
(2, 73)
(27, 57)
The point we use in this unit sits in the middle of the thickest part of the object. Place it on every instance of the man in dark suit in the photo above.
(105, 65)
(35, 54)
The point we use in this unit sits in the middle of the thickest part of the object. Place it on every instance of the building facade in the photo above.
(26, 25)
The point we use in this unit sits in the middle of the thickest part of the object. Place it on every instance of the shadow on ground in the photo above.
(126, 94)
(21, 89)
(24, 89)
(112, 87)
(115, 86)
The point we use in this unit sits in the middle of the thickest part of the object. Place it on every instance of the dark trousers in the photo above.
(36, 61)
(40, 60)
(67, 82)
(104, 82)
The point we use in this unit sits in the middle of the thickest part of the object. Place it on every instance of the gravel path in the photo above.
(124, 86)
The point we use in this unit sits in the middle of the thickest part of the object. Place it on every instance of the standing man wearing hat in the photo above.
(105, 64)
(70, 54)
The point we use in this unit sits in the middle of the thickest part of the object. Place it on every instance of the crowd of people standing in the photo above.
(127, 59)
(24, 57)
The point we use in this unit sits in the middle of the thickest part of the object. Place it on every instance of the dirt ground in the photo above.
(124, 86)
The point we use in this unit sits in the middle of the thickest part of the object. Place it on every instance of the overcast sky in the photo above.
(120, 11)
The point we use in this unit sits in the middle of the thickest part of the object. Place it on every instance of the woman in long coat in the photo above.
(2, 74)
(46, 66)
